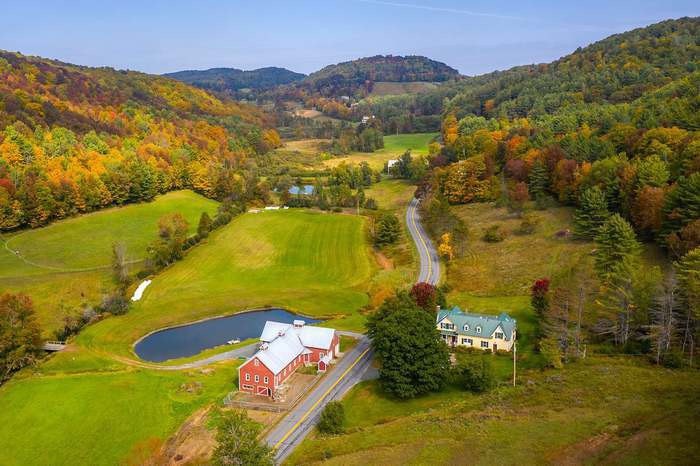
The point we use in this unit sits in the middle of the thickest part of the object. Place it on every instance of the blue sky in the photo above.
(475, 37)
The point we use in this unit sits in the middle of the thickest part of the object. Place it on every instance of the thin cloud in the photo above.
(443, 10)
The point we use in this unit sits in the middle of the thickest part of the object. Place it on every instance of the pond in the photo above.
(191, 339)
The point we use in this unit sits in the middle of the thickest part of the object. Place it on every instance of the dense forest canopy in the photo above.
(347, 77)
(75, 139)
(620, 116)
(232, 80)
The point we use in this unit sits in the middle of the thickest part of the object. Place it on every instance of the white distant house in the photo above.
(366, 119)
(391, 163)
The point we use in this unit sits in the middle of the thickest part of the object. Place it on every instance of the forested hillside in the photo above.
(76, 139)
(613, 131)
(232, 80)
(348, 77)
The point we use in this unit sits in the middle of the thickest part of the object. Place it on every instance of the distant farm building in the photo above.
(459, 328)
(306, 190)
(283, 348)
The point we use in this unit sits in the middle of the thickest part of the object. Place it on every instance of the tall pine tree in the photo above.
(591, 213)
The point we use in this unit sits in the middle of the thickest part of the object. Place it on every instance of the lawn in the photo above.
(57, 253)
(90, 405)
(86, 241)
(112, 414)
(306, 261)
(394, 147)
(613, 411)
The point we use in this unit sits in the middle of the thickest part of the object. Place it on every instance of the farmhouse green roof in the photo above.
(467, 323)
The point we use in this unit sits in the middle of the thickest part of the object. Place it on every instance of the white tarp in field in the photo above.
(139, 291)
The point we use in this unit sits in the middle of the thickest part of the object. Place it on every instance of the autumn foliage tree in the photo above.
(20, 336)
(427, 296)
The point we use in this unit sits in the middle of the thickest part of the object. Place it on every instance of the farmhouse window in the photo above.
(499, 335)
(466, 327)
(478, 329)
(465, 340)
(484, 344)
(470, 342)
(445, 326)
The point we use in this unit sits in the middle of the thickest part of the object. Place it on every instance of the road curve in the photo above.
(292, 429)
(429, 271)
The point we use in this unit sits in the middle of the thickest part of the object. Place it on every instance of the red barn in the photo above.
(284, 348)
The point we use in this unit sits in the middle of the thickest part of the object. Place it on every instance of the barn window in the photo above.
(266, 379)
(256, 362)
(257, 378)
(247, 377)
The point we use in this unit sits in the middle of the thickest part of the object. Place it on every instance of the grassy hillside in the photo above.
(306, 261)
(120, 414)
(601, 411)
(388, 88)
(310, 262)
(86, 241)
(66, 265)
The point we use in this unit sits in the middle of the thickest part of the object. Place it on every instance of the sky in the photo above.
(473, 36)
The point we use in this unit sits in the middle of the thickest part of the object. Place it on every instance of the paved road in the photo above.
(429, 261)
(291, 430)
(355, 366)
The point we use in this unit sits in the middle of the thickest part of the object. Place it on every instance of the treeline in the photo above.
(79, 139)
(343, 187)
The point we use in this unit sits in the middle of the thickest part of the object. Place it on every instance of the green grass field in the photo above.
(55, 255)
(80, 409)
(91, 405)
(394, 147)
(609, 411)
(306, 261)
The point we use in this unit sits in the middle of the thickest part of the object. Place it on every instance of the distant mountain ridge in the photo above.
(231, 80)
(347, 78)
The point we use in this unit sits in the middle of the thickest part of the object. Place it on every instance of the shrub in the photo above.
(332, 418)
(115, 304)
(494, 234)
(529, 224)
(387, 229)
(476, 374)
(370, 204)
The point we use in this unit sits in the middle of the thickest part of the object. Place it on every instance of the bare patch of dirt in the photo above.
(193, 443)
(579, 452)
(629, 445)
(383, 261)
